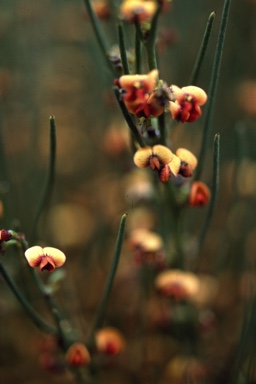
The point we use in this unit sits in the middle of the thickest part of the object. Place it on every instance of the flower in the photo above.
(109, 341)
(177, 284)
(188, 100)
(157, 158)
(5, 235)
(138, 10)
(199, 194)
(137, 89)
(78, 355)
(47, 258)
(188, 162)
(147, 247)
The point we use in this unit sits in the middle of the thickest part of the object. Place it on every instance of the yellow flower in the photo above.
(47, 258)
(109, 341)
(138, 10)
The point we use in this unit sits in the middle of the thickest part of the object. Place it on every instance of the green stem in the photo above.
(122, 48)
(137, 49)
(150, 43)
(100, 36)
(111, 276)
(202, 51)
(162, 128)
(128, 119)
(215, 189)
(38, 321)
(213, 89)
(46, 194)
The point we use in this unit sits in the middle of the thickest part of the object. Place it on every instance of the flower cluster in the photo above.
(163, 160)
(145, 96)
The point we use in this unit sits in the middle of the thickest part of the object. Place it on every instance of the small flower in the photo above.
(147, 248)
(188, 162)
(156, 157)
(188, 100)
(47, 258)
(78, 355)
(199, 194)
(177, 284)
(137, 89)
(138, 10)
(5, 235)
(109, 341)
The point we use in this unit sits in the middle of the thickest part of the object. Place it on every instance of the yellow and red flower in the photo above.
(187, 103)
(78, 355)
(47, 258)
(139, 11)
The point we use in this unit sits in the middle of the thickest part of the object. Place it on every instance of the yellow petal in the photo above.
(165, 154)
(187, 156)
(198, 94)
(58, 256)
(174, 165)
(34, 256)
(142, 156)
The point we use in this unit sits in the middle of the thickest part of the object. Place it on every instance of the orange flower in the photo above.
(45, 258)
(177, 284)
(137, 89)
(157, 158)
(109, 341)
(188, 100)
(78, 355)
(199, 194)
(138, 10)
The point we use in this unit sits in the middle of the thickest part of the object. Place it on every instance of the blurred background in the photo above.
(50, 64)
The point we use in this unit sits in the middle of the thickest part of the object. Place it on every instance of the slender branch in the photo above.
(111, 276)
(213, 89)
(46, 194)
(122, 48)
(37, 320)
(150, 43)
(215, 189)
(128, 119)
(162, 128)
(137, 48)
(100, 36)
(202, 51)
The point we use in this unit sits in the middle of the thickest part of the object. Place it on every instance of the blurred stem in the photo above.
(215, 189)
(162, 128)
(129, 120)
(38, 321)
(122, 48)
(202, 51)
(212, 89)
(46, 194)
(150, 43)
(109, 283)
(137, 49)
(100, 35)
(4, 171)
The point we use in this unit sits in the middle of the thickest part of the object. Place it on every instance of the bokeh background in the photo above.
(50, 64)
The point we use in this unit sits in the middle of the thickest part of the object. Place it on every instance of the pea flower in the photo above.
(109, 341)
(157, 158)
(199, 194)
(138, 10)
(183, 163)
(188, 101)
(177, 284)
(137, 89)
(47, 258)
(78, 355)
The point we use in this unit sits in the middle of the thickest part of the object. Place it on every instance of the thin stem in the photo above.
(111, 276)
(162, 128)
(46, 194)
(37, 320)
(129, 120)
(150, 43)
(137, 49)
(215, 188)
(122, 48)
(213, 89)
(202, 51)
(100, 36)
